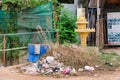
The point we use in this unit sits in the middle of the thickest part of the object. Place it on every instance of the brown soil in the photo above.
(76, 56)
(5, 74)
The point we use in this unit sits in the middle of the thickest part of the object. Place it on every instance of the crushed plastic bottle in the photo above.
(80, 69)
(67, 70)
(89, 68)
(49, 59)
(73, 71)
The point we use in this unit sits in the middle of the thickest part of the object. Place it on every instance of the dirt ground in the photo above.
(111, 49)
(5, 74)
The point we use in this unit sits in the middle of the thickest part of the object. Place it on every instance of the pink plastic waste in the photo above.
(67, 70)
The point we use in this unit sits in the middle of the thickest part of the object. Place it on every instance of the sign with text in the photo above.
(113, 28)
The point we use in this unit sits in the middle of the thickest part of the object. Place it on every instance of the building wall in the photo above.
(71, 7)
(109, 8)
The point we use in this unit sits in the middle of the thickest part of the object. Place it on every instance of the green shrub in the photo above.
(66, 26)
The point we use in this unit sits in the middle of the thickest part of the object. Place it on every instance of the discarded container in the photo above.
(50, 59)
(80, 69)
(45, 65)
(32, 57)
(43, 50)
(31, 49)
(73, 71)
(56, 69)
(67, 70)
(109, 64)
(89, 68)
(37, 48)
(48, 71)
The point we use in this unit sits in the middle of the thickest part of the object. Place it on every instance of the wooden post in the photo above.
(4, 50)
(57, 37)
(55, 15)
(55, 26)
(97, 26)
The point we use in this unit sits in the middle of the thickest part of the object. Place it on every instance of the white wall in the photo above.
(72, 7)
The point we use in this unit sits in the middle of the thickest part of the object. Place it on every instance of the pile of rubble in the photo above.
(50, 66)
(61, 61)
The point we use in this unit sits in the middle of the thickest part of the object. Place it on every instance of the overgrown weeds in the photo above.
(78, 57)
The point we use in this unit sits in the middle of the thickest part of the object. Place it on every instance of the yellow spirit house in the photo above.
(104, 16)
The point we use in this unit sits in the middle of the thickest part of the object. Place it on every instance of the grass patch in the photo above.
(111, 58)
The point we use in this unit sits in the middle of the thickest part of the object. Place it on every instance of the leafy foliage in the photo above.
(66, 26)
(23, 4)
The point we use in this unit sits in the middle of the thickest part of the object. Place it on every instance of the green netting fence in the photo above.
(28, 18)
(4, 19)
(24, 29)
(12, 46)
(40, 15)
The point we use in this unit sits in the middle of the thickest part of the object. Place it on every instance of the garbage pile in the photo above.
(46, 66)
(60, 61)
(50, 66)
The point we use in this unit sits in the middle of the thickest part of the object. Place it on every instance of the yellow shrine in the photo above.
(82, 30)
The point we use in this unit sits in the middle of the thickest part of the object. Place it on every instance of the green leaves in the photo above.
(66, 26)
(23, 4)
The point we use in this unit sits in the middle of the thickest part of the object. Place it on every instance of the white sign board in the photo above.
(113, 28)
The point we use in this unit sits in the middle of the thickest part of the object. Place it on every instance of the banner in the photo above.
(113, 28)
